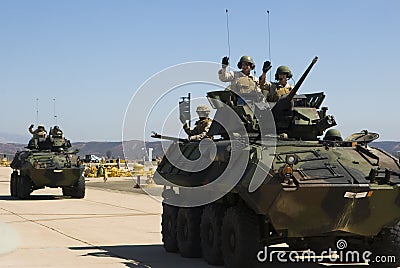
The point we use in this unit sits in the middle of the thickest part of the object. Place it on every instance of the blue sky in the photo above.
(92, 55)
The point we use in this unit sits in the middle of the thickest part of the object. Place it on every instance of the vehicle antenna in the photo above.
(188, 98)
(269, 45)
(37, 111)
(54, 111)
(227, 29)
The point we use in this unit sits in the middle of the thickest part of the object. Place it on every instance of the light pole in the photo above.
(144, 156)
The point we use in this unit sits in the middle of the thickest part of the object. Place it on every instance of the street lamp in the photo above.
(144, 155)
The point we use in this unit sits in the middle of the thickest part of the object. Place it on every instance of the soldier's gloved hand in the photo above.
(182, 119)
(31, 126)
(225, 61)
(266, 66)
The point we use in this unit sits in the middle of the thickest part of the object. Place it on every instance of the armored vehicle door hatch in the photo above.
(363, 137)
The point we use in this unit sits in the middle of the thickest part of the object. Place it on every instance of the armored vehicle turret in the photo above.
(47, 163)
(274, 179)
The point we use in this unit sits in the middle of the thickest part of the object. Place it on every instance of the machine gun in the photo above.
(159, 136)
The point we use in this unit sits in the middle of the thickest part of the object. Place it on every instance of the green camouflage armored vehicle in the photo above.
(47, 163)
(274, 180)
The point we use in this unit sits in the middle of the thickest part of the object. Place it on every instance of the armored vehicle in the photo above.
(47, 163)
(313, 191)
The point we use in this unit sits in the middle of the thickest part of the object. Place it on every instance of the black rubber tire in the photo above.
(387, 243)
(24, 187)
(240, 237)
(168, 227)
(188, 232)
(13, 184)
(66, 191)
(78, 191)
(210, 233)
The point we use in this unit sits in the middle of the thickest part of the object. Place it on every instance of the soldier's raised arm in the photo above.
(223, 75)
(31, 129)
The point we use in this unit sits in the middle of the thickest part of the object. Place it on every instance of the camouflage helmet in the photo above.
(40, 126)
(333, 135)
(283, 70)
(246, 59)
(202, 109)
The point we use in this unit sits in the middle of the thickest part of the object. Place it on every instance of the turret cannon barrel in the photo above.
(293, 92)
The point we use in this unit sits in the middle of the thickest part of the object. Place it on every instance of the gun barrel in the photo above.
(301, 80)
(158, 136)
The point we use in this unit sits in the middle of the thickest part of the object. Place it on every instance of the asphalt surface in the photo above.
(115, 225)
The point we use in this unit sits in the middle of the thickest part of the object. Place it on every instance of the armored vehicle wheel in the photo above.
(24, 187)
(168, 227)
(66, 191)
(210, 232)
(78, 191)
(13, 184)
(387, 243)
(240, 237)
(188, 232)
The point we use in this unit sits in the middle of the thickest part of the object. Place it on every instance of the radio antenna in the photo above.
(37, 111)
(54, 111)
(269, 45)
(227, 29)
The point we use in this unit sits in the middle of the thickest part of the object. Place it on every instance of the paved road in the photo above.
(105, 229)
(108, 228)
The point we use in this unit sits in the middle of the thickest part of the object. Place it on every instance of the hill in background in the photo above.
(392, 147)
(115, 149)
(106, 149)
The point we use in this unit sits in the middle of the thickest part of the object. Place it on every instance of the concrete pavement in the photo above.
(105, 229)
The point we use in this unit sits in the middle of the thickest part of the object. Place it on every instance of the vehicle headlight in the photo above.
(291, 159)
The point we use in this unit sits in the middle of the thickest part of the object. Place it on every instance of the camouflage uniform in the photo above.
(57, 137)
(240, 83)
(39, 137)
(273, 91)
(56, 132)
(200, 130)
(37, 133)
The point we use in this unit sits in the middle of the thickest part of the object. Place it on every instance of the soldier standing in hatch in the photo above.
(40, 132)
(202, 125)
(243, 81)
(273, 91)
(56, 131)
(39, 135)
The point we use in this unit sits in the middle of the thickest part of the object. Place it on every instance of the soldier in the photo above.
(202, 125)
(243, 81)
(57, 138)
(56, 132)
(40, 132)
(273, 91)
(39, 136)
(333, 135)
